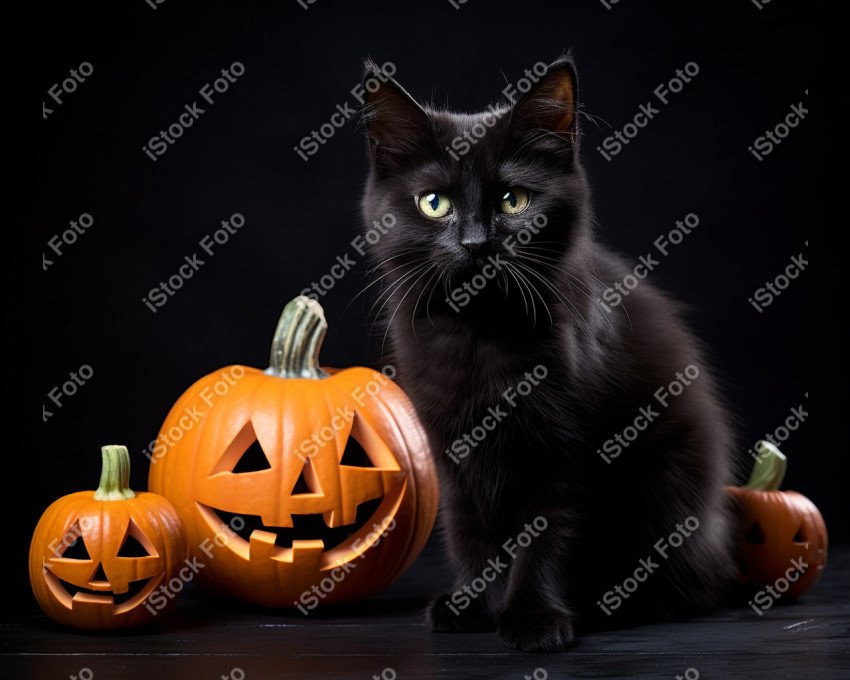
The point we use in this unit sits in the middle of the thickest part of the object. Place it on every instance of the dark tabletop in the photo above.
(385, 637)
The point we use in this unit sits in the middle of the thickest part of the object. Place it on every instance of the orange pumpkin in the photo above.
(96, 556)
(781, 530)
(298, 485)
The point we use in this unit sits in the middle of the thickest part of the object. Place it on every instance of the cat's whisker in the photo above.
(550, 263)
(436, 271)
(393, 288)
(558, 294)
(384, 295)
(531, 290)
(440, 277)
(401, 302)
(372, 283)
(542, 300)
(519, 288)
(402, 253)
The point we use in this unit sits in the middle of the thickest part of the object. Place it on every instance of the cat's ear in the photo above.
(396, 125)
(550, 104)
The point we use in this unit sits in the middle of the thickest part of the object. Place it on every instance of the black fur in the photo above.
(602, 366)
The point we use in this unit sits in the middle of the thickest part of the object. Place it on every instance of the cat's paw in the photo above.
(537, 630)
(445, 617)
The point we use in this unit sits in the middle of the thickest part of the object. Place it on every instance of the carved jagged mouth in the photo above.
(69, 593)
(305, 527)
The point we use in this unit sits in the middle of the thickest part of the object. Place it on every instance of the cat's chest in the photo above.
(456, 382)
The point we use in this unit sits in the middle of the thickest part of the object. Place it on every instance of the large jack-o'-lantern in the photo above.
(783, 538)
(298, 485)
(96, 556)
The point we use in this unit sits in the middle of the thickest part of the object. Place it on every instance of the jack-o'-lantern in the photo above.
(298, 476)
(783, 536)
(96, 556)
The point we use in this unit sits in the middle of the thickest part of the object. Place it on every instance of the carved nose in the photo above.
(474, 246)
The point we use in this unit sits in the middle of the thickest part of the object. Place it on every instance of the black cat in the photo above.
(582, 449)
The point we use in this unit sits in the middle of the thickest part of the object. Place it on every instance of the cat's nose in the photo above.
(474, 245)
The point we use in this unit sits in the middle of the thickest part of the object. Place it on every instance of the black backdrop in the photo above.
(299, 64)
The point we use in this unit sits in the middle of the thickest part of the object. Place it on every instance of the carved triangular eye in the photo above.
(244, 454)
(253, 460)
(99, 575)
(308, 480)
(76, 550)
(136, 544)
(132, 548)
(301, 485)
(355, 455)
(801, 536)
(756, 534)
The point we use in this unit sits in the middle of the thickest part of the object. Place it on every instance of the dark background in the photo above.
(754, 64)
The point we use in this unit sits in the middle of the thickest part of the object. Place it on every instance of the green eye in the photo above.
(514, 201)
(434, 205)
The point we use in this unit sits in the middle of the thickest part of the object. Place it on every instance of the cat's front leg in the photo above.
(536, 616)
(480, 576)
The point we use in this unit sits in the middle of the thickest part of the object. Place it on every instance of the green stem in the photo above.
(115, 475)
(769, 470)
(298, 339)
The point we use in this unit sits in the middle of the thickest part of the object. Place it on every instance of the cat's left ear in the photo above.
(550, 105)
(396, 125)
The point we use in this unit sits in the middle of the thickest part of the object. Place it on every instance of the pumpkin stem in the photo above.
(769, 470)
(115, 475)
(298, 339)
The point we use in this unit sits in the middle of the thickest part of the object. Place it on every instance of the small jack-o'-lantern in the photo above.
(96, 556)
(782, 533)
(297, 477)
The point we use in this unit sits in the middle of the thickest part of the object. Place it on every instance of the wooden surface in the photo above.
(386, 637)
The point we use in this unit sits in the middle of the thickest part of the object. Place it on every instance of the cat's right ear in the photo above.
(395, 124)
(549, 106)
